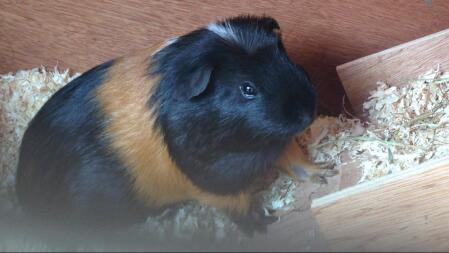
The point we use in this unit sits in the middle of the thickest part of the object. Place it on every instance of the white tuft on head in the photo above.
(250, 34)
(171, 41)
(166, 44)
(223, 30)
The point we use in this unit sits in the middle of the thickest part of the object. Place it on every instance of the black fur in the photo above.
(219, 139)
(65, 166)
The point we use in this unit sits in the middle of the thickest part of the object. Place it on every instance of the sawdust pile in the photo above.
(404, 127)
(21, 95)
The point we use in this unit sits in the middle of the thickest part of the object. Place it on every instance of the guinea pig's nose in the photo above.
(307, 118)
(309, 113)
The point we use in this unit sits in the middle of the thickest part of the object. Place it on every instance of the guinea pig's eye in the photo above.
(248, 90)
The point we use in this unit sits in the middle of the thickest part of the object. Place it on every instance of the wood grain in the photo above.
(403, 212)
(397, 66)
(318, 34)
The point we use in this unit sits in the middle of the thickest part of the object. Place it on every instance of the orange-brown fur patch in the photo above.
(157, 181)
(294, 156)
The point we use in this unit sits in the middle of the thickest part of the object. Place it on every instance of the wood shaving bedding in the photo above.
(21, 95)
(404, 127)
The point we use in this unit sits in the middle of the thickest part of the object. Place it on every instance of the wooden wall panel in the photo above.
(318, 34)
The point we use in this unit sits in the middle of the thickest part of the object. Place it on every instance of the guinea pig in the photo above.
(199, 117)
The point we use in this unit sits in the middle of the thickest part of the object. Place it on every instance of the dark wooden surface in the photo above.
(318, 34)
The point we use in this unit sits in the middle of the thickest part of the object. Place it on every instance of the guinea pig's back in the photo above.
(65, 166)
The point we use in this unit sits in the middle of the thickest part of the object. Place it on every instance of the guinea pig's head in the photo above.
(229, 100)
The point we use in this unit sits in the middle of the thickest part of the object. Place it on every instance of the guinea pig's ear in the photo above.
(197, 83)
(272, 25)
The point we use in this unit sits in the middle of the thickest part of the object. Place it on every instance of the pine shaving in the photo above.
(21, 95)
(404, 127)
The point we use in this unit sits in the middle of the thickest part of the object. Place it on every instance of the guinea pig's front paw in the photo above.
(321, 179)
(328, 165)
(256, 220)
(316, 173)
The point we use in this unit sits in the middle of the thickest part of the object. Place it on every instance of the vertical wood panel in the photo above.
(318, 34)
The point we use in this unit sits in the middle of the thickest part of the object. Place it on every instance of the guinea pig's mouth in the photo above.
(299, 126)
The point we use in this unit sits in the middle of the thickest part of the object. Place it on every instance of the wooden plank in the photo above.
(318, 34)
(297, 232)
(408, 211)
(396, 66)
